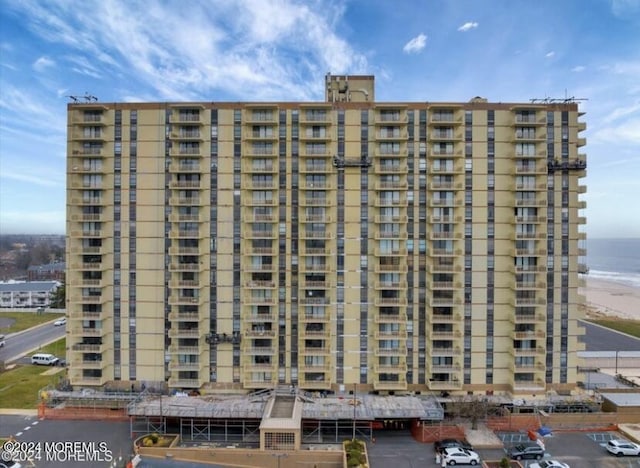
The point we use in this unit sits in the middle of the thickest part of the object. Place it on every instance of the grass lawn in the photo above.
(19, 386)
(24, 320)
(630, 327)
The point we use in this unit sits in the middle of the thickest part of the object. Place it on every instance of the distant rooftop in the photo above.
(368, 407)
(29, 286)
(59, 266)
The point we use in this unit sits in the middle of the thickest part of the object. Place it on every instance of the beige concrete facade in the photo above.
(411, 246)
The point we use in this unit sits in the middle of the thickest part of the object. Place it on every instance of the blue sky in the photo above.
(280, 50)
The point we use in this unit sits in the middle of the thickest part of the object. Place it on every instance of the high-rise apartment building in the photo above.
(399, 246)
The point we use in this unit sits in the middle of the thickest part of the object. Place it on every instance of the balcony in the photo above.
(258, 333)
(259, 318)
(185, 184)
(391, 118)
(390, 185)
(184, 251)
(94, 348)
(191, 151)
(529, 285)
(184, 333)
(91, 332)
(186, 116)
(258, 350)
(180, 349)
(400, 384)
(443, 268)
(531, 202)
(519, 352)
(400, 317)
(184, 366)
(184, 316)
(260, 300)
(435, 235)
(258, 267)
(399, 351)
(453, 384)
(390, 285)
(185, 300)
(447, 169)
(445, 285)
(184, 234)
(315, 185)
(316, 318)
(530, 235)
(399, 168)
(185, 168)
(400, 334)
(387, 234)
(445, 202)
(445, 252)
(528, 335)
(445, 351)
(400, 367)
(524, 318)
(531, 169)
(380, 201)
(315, 201)
(256, 201)
(446, 185)
(186, 267)
(250, 184)
(184, 383)
(260, 233)
(79, 363)
(266, 133)
(530, 119)
(400, 267)
(255, 284)
(445, 318)
(185, 201)
(530, 219)
(528, 301)
(304, 234)
(390, 301)
(444, 301)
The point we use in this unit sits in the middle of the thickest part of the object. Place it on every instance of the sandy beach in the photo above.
(612, 299)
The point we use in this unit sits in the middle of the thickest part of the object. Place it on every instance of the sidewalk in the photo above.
(18, 412)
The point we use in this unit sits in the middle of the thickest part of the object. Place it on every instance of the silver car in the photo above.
(620, 447)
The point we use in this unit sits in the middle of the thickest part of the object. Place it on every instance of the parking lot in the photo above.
(577, 449)
(391, 448)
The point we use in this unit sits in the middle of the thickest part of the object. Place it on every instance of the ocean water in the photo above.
(615, 260)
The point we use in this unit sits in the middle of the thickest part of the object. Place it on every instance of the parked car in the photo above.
(620, 447)
(549, 464)
(531, 450)
(459, 456)
(440, 445)
(44, 359)
(59, 323)
(2, 340)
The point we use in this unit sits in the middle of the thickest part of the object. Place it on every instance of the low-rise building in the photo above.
(27, 294)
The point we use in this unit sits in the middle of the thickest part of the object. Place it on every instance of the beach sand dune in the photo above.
(611, 299)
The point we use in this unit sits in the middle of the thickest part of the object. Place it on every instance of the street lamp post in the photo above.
(355, 403)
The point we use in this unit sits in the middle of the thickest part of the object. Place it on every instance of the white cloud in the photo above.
(625, 8)
(627, 132)
(550, 54)
(416, 44)
(467, 26)
(44, 180)
(43, 63)
(578, 68)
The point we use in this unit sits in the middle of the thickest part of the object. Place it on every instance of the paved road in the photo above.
(598, 338)
(18, 344)
(111, 438)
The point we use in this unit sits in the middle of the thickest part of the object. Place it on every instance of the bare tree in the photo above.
(474, 408)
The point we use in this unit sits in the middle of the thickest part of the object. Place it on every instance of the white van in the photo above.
(44, 359)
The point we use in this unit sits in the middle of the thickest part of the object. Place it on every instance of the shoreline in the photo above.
(611, 299)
